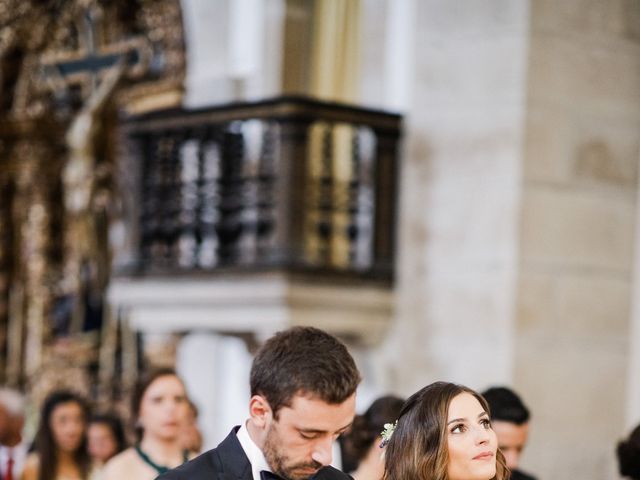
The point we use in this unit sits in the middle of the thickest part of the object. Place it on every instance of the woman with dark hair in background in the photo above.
(628, 452)
(105, 438)
(159, 407)
(61, 440)
(444, 433)
(362, 443)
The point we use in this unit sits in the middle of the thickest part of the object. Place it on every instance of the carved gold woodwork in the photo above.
(38, 260)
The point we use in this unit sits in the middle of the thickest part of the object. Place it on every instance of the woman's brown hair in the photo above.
(366, 428)
(45, 443)
(417, 449)
(140, 389)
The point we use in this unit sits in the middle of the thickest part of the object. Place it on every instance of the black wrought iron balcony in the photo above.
(288, 184)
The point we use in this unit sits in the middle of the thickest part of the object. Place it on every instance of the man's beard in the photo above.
(279, 462)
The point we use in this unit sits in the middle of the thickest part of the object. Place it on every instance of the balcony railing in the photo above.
(284, 184)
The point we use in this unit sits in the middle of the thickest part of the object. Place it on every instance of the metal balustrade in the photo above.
(289, 183)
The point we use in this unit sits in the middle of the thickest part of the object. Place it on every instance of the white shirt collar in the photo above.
(252, 451)
(18, 453)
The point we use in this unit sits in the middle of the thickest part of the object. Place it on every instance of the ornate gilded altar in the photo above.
(59, 104)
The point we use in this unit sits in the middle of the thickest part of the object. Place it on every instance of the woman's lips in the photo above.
(484, 456)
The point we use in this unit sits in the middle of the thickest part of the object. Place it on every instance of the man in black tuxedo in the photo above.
(510, 421)
(303, 391)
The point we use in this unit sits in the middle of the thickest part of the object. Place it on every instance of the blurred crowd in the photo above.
(72, 443)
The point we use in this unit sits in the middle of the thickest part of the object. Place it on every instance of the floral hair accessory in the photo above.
(386, 434)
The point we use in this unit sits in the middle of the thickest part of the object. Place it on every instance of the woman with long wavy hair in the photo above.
(444, 433)
(61, 440)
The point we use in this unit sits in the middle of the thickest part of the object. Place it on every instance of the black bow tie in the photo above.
(265, 475)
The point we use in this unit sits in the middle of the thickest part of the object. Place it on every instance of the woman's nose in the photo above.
(482, 435)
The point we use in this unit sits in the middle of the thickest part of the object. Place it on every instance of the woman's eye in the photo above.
(486, 423)
(458, 428)
(307, 436)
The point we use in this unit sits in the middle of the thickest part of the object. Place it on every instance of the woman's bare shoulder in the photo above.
(121, 464)
(31, 466)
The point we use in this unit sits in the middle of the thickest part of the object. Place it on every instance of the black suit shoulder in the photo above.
(330, 473)
(228, 462)
(203, 467)
(519, 475)
(225, 462)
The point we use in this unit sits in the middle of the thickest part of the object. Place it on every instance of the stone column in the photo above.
(460, 195)
(233, 50)
(215, 370)
(577, 232)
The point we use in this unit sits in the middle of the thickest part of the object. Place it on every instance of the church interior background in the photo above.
(449, 186)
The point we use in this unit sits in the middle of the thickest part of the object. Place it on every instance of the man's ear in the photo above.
(260, 411)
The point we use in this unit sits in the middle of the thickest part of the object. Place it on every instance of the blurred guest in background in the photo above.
(510, 421)
(361, 446)
(159, 407)
(61, 440)
(106, 438)
(628, 453)
(12, 449)
(191, 437)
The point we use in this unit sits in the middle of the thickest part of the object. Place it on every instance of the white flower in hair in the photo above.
(386, 434)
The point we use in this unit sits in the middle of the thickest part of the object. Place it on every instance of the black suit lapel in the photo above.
(231, 457)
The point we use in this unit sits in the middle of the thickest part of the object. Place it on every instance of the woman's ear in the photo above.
(260, 411)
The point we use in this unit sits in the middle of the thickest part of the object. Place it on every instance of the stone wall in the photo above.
(518, 217)
(461, 190)
(577, 232)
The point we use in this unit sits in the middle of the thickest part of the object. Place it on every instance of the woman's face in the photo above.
(102, 445)
(471, 442)
(68, 426)
(164, 408)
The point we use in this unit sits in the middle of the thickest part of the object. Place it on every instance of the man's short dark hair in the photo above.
(306, 361)
(506, 405)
